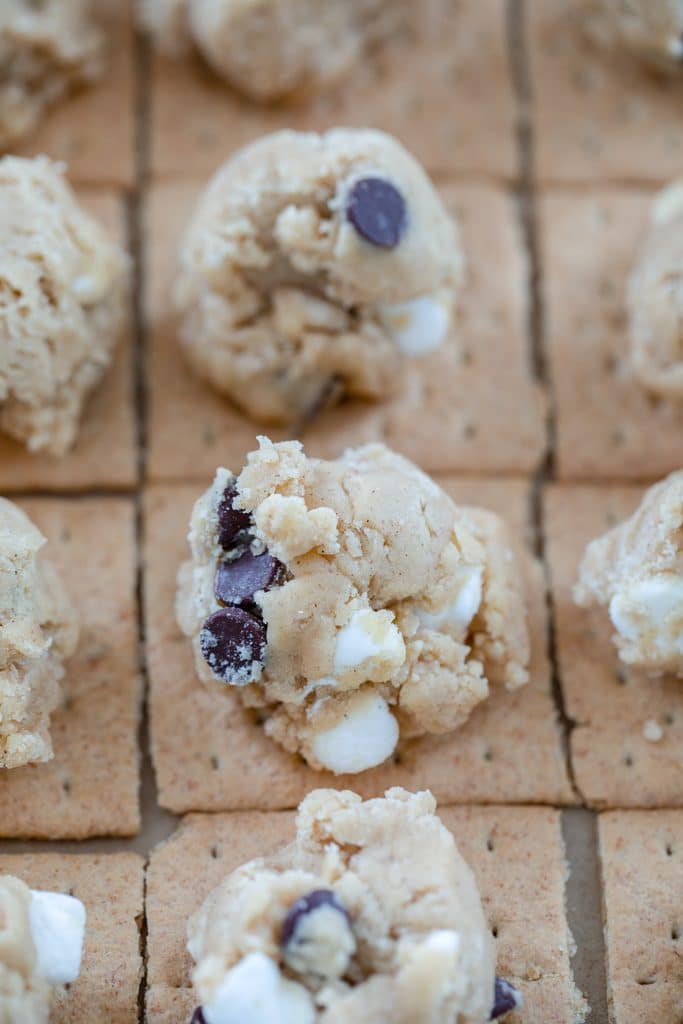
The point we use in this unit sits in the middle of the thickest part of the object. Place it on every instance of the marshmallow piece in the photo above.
(369, 636)
(650, 612)
(57, 924)
(460, 613)
(418, 326)
(668, 204)
(366, 736)
(254, 992)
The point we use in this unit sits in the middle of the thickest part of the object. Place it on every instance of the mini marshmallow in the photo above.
(254, 992)
(418, 326)
(650, 612)
(366, 736)
(57, 924)
(459, 614)
(668, 204)
(369, 636)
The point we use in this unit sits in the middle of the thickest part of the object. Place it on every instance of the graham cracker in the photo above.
(93, 128)
(608, 427)
(91, 786)
(598, 115)
(197, 120)
(104, 455)
(110, 886)
(642, 868)
(471, 406)
(516, 854)
(211, 755)
(614, 764)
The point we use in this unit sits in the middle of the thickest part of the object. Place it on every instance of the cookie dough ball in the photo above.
(651, 30)
(655, 300)
(270, 50)
(38, 630)
(41, 945)
(323, 932)
(352, 600)
(312, 258)
(636, 569)
(46, 49)
(63, 288)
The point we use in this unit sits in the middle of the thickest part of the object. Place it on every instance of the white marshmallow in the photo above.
(459, 614)
(254, 992)
(369, 635)
(668, 204)
(650, 612)
(57, 924)
(366, 736)
(418, 326)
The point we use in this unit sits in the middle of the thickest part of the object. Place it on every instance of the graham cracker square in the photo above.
(93, 129)
(90, 787)
(516, 854)
(598, 115)
(110, 886)
(104, 455)
(455, 49)
(210, 755)
(642, 869)
(471, 406)
(608, 427)
(610, 703)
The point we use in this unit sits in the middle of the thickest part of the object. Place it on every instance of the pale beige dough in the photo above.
(46, 48)
(636, 569)
(63, 288)
(279, 294)
(38, 630)
(655, 299)
(414, 949)
(651, 30)
(273, 49)
(394, 610)
(24, 995)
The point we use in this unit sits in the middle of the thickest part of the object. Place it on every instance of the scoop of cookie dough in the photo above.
(351, 599)
(651, 30)
(636, 569)
(41, 945)
(655, 299)
(38, 630)
(63, 286)
(371, 916)
(273, 49)
(310, 259)
(46, 49)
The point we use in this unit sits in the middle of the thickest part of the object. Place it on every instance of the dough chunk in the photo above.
(270, 50)
(46, 49)
(655, 299)
(63, 288)
(352, 600)
(41, 945)
(371, 916)
(310, 259)
(38, 630)
(636, 569)
(651, 30)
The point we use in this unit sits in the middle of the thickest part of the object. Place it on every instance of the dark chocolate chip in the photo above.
(378, 212)
(308, 903)
(506, 998)
(231, 520)
(238, 579)
(231, 641)
(198, 1017)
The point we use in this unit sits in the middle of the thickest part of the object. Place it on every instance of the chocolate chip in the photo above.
(506, 998)
(231, 520)
(308, 903)
(233, 644)
(238, 579)
(198, 1017)
(378, 212)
